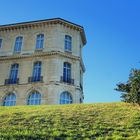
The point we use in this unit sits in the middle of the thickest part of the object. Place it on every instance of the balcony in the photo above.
(35, 79)
(67, 80)
(11, 81)
(39, 50)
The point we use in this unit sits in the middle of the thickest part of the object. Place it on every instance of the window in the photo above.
(36, 75)
(81, 101)
(39, 41)
(18, 44)
(10, 100)
(37, 71)
(80, 51)
(67, 72)
(68, 43)
(0, 43)
(65, 98)
(13, 74)
(34, 98)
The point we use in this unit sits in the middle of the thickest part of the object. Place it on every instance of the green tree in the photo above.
(131, 89)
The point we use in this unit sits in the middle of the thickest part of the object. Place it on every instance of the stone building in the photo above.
(41, 63)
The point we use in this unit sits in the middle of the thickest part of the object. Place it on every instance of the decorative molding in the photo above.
(42, 54)
(42, 23)
(37, 54)
(9, 89)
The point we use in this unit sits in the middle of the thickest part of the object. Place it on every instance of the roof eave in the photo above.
(53, 20)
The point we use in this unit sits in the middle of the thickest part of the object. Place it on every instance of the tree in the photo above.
(131, 89)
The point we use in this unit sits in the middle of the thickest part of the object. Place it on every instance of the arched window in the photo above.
(13, 74)
(65, 98)
(37, 71)
(18, 44)
(34, 98)
(10, 100)
(68, 43)
(39, 41)
(67, 72)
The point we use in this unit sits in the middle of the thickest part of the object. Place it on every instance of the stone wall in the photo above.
(52, 57)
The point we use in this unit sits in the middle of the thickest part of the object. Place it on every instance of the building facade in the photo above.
(41, 63)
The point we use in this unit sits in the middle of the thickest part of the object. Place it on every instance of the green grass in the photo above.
(105, 121)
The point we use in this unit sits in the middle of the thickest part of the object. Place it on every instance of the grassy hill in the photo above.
(105, 121)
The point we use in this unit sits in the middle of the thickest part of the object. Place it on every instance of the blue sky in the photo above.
(113, 37)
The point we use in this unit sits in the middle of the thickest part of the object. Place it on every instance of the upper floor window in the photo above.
(37, 71)
(18, 44)
(13, 74)
(10, 100)
(67, 72)
(39, 41)
(36, 75)
(68, 43)
(0, 42)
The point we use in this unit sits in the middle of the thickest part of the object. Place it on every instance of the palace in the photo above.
(41, 63)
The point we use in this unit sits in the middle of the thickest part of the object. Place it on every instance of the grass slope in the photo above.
(106, 121)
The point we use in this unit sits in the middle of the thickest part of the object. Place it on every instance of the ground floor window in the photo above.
(10, 100)
(34, 98)
(65, 98)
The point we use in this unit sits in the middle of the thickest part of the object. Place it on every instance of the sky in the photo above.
(112, 30)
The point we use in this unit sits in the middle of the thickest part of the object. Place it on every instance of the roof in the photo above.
(52, 20)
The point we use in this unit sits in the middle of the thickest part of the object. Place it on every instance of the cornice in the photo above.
(40, 23)
(37, 54)
(42, 54)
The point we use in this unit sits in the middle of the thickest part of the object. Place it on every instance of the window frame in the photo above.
(1, 42)
(81, 100)
(9, 102)
(34, 100)
(21, 42)
(37, 70)
(67, 71)
(68, 44)
(14, 71)
(36, 41)
(64, 100)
